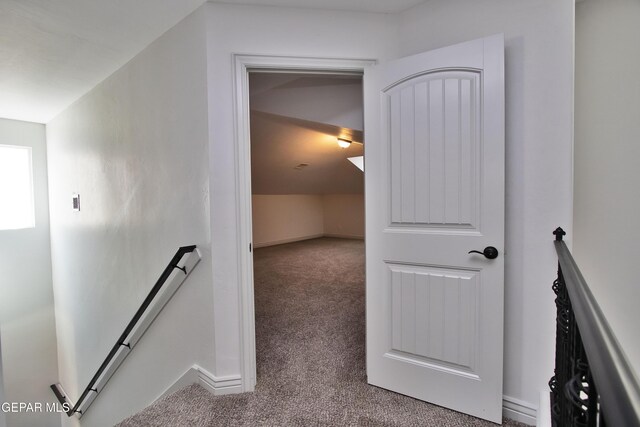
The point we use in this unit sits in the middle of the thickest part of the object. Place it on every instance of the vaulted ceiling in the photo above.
(380, 6)
(295, 122)
(54, 51)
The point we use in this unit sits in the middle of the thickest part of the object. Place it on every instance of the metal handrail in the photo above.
(121, 341)
(618, 388)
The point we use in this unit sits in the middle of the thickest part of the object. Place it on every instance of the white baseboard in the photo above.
(512, 408)
(344, 236)
(544, 410)
(301, 238)
(214, 385)
(519, 410)
(283, 241)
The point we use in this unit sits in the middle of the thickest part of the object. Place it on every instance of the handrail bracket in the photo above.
(159, 295)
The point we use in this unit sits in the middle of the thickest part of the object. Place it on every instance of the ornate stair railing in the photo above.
(159, 295)
(593, 384)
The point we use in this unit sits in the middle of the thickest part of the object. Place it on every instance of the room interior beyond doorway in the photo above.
(303, 184)
(304, 128)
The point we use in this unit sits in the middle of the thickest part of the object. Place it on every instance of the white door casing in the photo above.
(243, 64)
(434, 156)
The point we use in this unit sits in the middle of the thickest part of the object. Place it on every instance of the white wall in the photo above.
(135, 148)
(606, 161)
(286, 218)
(539, 104)
(27, 323)
(336, 101)
(343, 215)
(3, 417)
(273, 31)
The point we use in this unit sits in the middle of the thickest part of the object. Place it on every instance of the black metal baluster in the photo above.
(559, 410)
(574, 398)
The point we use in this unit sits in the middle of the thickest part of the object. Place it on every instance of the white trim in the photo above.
(217, 386)
(173, 283)
(519, 410)
(291, 240)
(309, 237)
(543, 418)
(344, 236)
(512, 408)
(242, 64)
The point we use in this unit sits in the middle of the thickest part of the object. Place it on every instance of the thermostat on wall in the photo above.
(76, 202)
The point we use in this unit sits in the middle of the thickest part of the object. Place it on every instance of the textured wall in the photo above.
(269, 31)
(135, 148)
(539, 105)
(606, 161)
(27, 323)
(3, 417)
(286, 218)
(344, 215)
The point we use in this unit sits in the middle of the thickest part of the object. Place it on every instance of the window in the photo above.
(16, 188)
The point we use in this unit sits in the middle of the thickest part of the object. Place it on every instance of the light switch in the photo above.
(76, 202)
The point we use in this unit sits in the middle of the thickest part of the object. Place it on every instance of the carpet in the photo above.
(310, 342)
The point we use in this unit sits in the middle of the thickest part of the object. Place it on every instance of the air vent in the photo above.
(301, 166)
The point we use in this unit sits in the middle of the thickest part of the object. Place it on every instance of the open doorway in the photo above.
(243, 66)
(307, 182)
(423, 97)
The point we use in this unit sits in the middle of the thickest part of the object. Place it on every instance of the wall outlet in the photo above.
(76, 202)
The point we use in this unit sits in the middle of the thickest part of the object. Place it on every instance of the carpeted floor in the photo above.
(310, 338)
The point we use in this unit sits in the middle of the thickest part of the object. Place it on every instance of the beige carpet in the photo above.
(310, 337)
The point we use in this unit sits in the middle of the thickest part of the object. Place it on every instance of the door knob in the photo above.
(489, 252)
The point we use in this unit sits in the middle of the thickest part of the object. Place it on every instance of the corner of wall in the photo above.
(519, 410)
(217, 386)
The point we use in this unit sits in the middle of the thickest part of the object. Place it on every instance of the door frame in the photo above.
(243, 64)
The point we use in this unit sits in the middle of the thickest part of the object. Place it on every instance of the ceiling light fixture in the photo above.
(343, 143)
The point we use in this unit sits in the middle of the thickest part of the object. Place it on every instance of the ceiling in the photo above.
(380, 6)
(54, 51)
(295, 122)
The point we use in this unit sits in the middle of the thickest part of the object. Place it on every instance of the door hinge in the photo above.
(249, 247)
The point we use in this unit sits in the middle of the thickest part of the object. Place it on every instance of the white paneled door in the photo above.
(435, 192)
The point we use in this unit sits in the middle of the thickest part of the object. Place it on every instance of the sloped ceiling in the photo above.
(54, 51)
(380, 6)
(295, 120)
